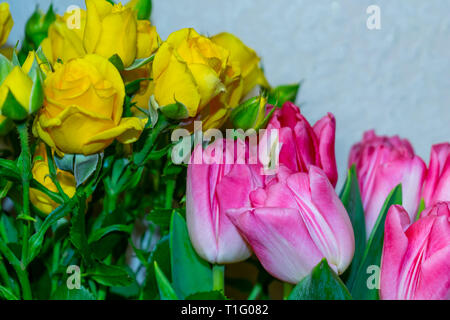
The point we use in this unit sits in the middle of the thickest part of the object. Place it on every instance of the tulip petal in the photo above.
(198, 209)
(394, 249)
(325, 216)
(325, 130)
(280, 239)
(233, 193)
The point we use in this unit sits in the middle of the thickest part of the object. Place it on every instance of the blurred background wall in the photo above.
(396, 79)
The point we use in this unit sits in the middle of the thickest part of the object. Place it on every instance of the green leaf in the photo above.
(111, 276)
(175, 111)
(100, 233)
(372, 254)
(160, 254)
(321, 284)
(7, 294)
(63, 293)
(190, 274)
(210, 295)
(139, 63)
(78, 228)
(160, 217)
(117, 62)
(281, 94)
(8, 229)
(351, 198)
(85, 166)
(166, 291)
(13, 109)
(66, 163)
(35, 242)
(421, 208)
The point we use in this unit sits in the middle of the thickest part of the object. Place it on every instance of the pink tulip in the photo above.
(296, 220)
(381, 164)
(415, 264)
(304, 145)
(213, 188)
(437, 183)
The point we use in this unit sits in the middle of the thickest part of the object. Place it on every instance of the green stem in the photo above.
(256, 291)
(170, 188)
(25, 158)
(287, 288)
(219, 278)
(4, 274)
(55, 264)
(19, 268)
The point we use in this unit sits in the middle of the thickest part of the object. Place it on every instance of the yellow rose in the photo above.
(65, 38)
(6, 22)
(111, 29)
(16, 99)
(188, 68)
(246, 58)
(41, 174)
(82, 112)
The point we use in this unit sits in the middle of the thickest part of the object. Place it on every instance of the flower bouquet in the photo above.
(133, 167)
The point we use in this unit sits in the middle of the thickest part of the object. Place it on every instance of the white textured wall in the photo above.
(396, 79)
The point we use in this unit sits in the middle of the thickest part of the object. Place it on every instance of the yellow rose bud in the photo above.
(21, 90)
(148, 39)
(188, 68)
(148, 42)
(82, 112)
(65, 38)
(6, 22)
(111, 29)
(247, 59)
(41, 173)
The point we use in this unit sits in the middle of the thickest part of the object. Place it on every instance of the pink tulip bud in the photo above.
(437, 183)
(381, 164)
(415, 264)
(304, 145)
(219, 182)
(296, 220)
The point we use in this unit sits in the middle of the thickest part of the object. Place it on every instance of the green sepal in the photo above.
(175, 111)
(117, 62)
(13, 109)
(144, 9)
(247, 113)
(37, 90)
(5, 68)
(36, 28)
(139, 63)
